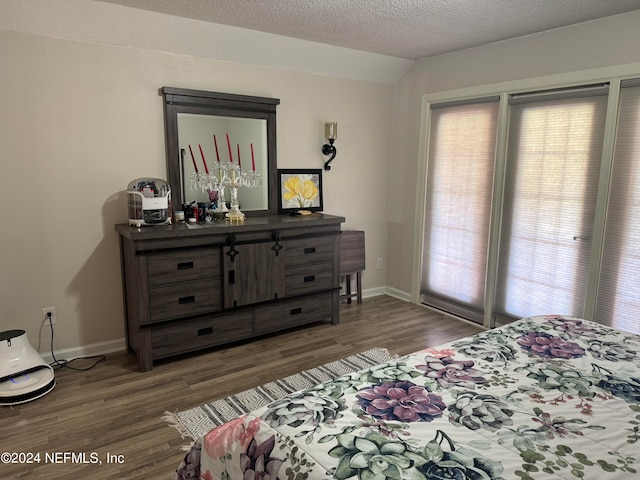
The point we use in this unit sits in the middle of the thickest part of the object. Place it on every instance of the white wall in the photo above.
(594, 48)
(80, 116)
(95, 21)
(79, 120)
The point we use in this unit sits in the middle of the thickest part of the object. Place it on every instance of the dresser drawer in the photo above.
(290, 313)
(305, 251)
(193, 334)
(184, 299)
(171, 267)
(308, 279)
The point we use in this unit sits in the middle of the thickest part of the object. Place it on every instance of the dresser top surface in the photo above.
(251, 224)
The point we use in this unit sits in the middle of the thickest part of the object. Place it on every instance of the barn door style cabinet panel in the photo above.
(188, 287)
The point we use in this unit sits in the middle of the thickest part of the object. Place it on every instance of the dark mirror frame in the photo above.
(181, 100)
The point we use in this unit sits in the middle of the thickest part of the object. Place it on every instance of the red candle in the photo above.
(206, 169)
(194, 159)
(229, 145)
(215, 142)
(239, 163)
(253, 160)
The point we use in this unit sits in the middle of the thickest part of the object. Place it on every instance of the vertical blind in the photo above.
(618, 301)
(552, 171)
(458, 205)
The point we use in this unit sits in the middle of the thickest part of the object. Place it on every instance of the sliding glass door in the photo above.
(618, 300)
(533, 205)
(553, 165)
(458, 205)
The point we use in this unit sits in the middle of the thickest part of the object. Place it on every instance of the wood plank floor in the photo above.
(115, 410)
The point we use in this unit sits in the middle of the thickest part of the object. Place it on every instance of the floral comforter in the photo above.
(543, 397)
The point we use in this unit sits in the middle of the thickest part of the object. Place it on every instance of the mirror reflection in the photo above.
(197, 120)
(209, 144)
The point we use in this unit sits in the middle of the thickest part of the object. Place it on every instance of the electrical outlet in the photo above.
(45, 315)
(379, 263)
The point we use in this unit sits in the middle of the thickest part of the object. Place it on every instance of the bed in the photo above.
(542, 397)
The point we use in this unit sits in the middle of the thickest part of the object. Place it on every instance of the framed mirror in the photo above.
(204, 128)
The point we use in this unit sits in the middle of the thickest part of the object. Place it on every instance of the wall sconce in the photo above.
(330, 133)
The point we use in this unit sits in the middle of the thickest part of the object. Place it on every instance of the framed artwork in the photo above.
(299, 189)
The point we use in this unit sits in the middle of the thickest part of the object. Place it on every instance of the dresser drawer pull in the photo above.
(309, 278)
(295, 311)
(189, 299)
(309, 250)
(205, 331)
(232, 277)
(185, 265)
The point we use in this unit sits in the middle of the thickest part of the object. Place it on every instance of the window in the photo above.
(618, 302)
(553, 159)
(458, 206)
(560, 171)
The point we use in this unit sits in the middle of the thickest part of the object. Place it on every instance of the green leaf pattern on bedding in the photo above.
(546, 395)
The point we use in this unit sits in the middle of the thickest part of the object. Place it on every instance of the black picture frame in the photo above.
(295, 194)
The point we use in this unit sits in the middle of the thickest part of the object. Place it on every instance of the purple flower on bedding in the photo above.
(572, 326)
(257, 463)
(190, 466)
(545, 345)
(401, 401)
(449, 372)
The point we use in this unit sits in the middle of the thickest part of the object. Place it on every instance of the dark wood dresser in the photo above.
(192, 286)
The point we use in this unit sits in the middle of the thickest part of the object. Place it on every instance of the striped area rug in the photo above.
(197, 421)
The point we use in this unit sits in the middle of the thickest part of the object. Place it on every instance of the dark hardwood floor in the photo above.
(115, 412)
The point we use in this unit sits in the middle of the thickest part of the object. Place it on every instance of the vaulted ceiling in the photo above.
(410, 29)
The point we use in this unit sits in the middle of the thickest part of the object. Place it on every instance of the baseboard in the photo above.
(119, 345)
(399, 294)
(372, 292)
(392, 292)
(100, 348)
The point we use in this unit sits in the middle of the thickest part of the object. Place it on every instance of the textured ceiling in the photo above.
(410, 29)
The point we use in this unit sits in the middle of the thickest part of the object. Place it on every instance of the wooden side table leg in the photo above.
(347, 279)
(359, 286)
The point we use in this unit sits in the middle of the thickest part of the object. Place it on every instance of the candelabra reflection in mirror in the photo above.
(223, 175)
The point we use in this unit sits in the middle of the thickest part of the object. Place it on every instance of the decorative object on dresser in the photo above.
(149, 202)
(300, 190)
(352, 261)
(192, 286)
